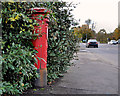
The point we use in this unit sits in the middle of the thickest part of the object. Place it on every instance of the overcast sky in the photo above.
(103, 12)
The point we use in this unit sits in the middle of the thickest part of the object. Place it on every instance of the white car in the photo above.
(92, 42)
(118, 41)
(112, 42)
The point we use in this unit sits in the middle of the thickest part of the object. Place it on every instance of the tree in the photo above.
(81, 32)
(102, 36)
(93, 25)
(116, 34)
(78, 32)
(88, 22)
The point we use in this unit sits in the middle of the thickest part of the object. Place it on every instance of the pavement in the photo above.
(88, 75)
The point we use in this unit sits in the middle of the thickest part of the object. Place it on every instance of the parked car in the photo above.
(118, 41)
(112, 42)
(92, 43)
(84, 41)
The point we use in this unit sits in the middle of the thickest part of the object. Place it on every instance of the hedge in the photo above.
(18, 70)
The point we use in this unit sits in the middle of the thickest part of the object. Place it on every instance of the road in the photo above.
(95, 71)
(106, 52)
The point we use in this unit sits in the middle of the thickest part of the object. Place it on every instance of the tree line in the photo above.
(85, 32)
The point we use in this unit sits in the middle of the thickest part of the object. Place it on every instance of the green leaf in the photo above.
(8, 46)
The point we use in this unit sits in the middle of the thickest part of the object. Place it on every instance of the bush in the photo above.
(18, 59)
(18, 54)
(62, 43)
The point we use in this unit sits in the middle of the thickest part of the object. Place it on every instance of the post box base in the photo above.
(42, 80)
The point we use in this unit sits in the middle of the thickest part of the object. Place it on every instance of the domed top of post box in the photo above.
(39, 10)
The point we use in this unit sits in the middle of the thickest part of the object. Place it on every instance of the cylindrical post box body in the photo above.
(40, 43)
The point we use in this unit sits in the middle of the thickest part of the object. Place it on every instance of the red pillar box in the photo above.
(40, 44)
